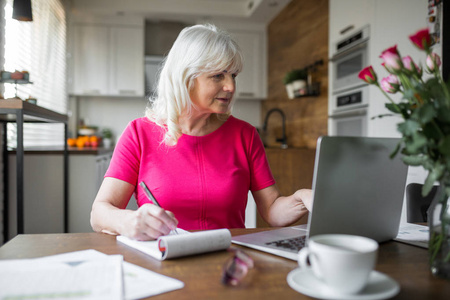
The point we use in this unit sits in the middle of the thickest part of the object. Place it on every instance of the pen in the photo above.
(151, 197)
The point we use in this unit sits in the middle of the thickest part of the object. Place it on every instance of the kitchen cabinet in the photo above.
(107, 60)
(86, 176)
(386, 30)
(44, 208)
(347, 16)
(252, 81)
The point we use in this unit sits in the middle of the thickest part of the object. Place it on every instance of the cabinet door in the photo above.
(90, 60)
(348, 15)
(127, 61)
(251, 82)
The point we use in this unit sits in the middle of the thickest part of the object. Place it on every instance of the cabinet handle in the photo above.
(246, 94)
(127, 92)
(346, 29)
(91, 92)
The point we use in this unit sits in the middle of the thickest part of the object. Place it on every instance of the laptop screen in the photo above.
(358, 188)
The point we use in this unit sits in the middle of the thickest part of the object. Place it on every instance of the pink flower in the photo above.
(409, 64)
(421, 39)
(433, 62)
(390, 84)
(392, 60)
(368, 75)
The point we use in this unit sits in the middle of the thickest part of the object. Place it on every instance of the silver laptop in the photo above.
(358, 189)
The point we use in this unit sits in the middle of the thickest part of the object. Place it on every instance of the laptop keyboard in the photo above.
(292, 244)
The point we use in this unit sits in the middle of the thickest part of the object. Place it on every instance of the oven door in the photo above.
(351, 99)
(346, 67)
(349, 123)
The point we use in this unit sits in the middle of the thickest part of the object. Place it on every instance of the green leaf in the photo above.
(432, 131)
(443, 114)
(393, 108)
(425, 113)
(434, 175)
(409, 127)
(444, 146)
(381, 116)
(397, 148)
(414, 160)
(410, 95)
(414, 145)
(434, 87)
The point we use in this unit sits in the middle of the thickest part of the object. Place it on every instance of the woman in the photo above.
(198, 161)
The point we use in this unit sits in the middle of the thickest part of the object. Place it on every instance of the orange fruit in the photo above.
(71, 142)
(82, 141)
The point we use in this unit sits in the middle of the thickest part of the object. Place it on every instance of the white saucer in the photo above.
(380, 286)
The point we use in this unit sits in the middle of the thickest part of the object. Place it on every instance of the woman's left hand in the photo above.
(278, 210)
(304, 196)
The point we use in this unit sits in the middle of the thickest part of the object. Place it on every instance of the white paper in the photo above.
(184, 244)
(139, 282)
(70, 279)
(413, 234)
(195, 243)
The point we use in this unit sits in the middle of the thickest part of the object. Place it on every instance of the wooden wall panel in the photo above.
(293, 170)
(298, 37)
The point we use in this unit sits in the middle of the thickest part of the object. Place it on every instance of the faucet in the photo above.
(283, 138)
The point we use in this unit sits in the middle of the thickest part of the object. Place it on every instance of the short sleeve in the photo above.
(125, 161)
(260, 173)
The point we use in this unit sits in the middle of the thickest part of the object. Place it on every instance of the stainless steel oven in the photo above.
(349, 57)
(349, 123)
(349, 95)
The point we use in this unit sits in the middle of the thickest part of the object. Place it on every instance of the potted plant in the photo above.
(425, 131)
(107, 137)
(295, 82)
(287, 80)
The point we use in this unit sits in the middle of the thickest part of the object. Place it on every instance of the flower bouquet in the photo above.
(425, 129)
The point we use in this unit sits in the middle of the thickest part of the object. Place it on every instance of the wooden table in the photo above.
(201, 274)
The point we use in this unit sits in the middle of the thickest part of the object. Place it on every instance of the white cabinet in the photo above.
(347, 16)
(252, 81)
(90, 60)
(86, 172)
(107, 60)
(387, 28)
(127, 61)
(85, 177)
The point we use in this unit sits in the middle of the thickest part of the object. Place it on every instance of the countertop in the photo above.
(72, 150)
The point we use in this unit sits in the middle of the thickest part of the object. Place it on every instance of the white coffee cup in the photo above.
(343, 262)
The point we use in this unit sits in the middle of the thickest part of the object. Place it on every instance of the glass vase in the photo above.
(439, 224)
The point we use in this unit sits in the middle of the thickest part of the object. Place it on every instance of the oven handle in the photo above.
(339, 55)
(350, 113)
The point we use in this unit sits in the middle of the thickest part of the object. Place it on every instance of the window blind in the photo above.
(38, 47)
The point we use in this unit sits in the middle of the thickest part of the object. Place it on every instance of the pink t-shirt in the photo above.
(203, 180)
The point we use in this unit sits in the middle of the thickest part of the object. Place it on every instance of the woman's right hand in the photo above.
(149, 222)
(109, 213)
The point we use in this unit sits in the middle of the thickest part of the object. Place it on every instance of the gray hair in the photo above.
(198, 49)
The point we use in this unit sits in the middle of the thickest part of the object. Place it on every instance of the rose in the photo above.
(433, 62)
(421, 39)
(392, 60)
(409, 65)
(368, 75)
(390, 84)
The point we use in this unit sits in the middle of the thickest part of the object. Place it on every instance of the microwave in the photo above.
(350, 57)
